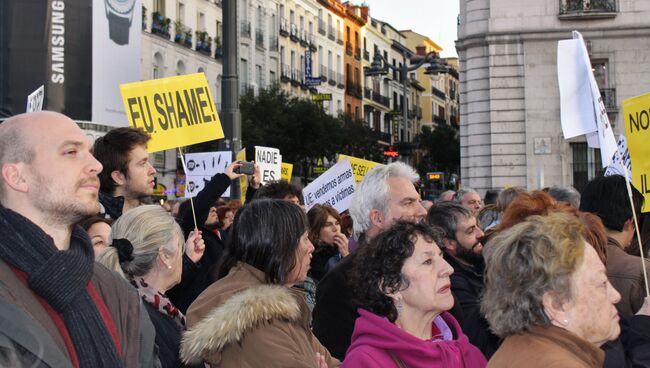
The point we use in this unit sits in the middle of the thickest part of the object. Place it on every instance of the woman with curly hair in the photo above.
(403, 291)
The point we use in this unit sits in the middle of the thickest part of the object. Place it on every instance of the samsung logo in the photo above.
(58, 41)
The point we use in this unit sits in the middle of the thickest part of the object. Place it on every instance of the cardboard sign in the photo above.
(621, 160)
(270, 162)
(243, 181)
(360, 167)
(35, 100)
(176, 111)
(201, 167)
(636, 114)
(335, 187)
(287, 171)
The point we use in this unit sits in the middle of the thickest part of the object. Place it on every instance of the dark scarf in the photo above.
(60, 277)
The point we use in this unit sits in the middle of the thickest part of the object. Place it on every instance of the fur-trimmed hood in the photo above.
(236, 311)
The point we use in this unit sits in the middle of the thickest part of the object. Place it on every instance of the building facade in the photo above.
(510, 104)
(355, 19)
(376, 90)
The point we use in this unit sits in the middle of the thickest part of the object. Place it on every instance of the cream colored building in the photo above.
(432, 101)
(259, 57)
(510, 105)
(376, 94)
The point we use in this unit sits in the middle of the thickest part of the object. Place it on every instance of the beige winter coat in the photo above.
(240, 321)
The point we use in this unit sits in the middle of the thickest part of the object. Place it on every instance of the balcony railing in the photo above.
(294, 33)
(273, 43)
(285, 73)
(331, 76)
(571, 9)
(366, 55)
(439, 120)
(339, 37)
(381, 136)
(304, 39)
(312, 42)
(438, 93)
(183, 34)
(203, 42)
(245, 29)
(353, 89)
(259, 38)
(323, 73)
(348, 48)
(331, 34)
(339, 81)
(609, 99)
(321, 27)
(160, 25)
(357, 53)
(376, 96)
(284, 27)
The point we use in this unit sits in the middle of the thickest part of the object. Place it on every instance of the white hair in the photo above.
(372, 193)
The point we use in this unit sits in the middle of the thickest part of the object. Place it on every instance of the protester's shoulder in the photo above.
(364, 356)
(110, 284)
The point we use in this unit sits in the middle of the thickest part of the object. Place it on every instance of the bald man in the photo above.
(67, 310)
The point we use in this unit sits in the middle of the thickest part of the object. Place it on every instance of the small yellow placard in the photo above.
(176, 111)
(636, 114)
(360, 167)
(286, 171)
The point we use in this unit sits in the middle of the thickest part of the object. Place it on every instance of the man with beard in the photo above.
(128, 177)
(463, 251)
(59, 308)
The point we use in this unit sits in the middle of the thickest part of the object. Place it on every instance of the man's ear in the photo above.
(450, 245)
(118, 177)
(14, 176)
(377, 218)
(628, 224)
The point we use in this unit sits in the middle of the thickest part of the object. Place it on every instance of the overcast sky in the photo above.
(435, 19)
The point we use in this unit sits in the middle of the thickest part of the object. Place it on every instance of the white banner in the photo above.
(621, 159)
(270, 162)
(334, 187)
(201, 167)
(116, 35)
(581, 104)
(35, 100)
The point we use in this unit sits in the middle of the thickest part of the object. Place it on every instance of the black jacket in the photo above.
(632, 348)
(335, 312)
(111, 207)
(197, 276)
(168, 338)
(467, 287)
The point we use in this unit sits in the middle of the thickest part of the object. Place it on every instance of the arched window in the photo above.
(180, 67)
(158, 66)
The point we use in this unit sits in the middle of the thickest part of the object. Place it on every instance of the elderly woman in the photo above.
(403, 291)
(329, 242)
(147, 248)
(252, 316)
(547, 294)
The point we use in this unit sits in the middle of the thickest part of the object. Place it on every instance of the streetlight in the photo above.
(379, 67)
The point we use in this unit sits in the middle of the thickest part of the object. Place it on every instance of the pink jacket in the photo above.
(375, 337)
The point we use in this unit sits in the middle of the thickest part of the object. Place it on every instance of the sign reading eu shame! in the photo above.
(176, 111)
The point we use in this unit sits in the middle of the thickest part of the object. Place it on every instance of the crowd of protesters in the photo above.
(94, 275)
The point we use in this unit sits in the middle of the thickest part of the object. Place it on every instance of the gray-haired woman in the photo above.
(147, 249)
(548, 295)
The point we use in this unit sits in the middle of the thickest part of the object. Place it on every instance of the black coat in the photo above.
(197, 276)
(467, 287)
(632, 348)
(168, 338)
(335, 312)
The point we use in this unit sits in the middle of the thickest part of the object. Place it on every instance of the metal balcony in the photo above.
(245, 29)
(577, 9)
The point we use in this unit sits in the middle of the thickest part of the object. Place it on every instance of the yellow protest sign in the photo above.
(360, 167)
(175, 111)
(243, 181)
(636, 115)
(286, 171)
